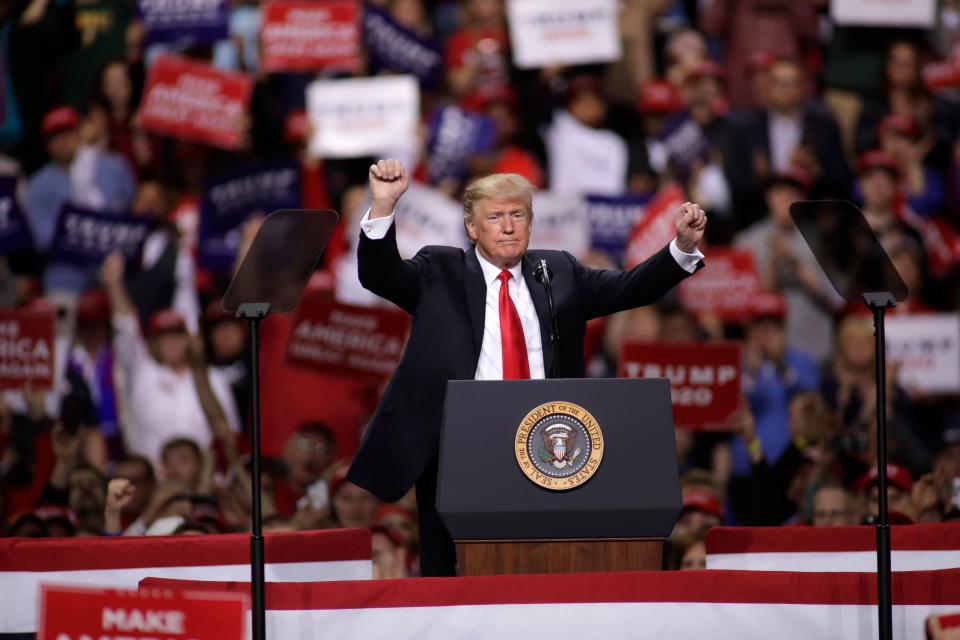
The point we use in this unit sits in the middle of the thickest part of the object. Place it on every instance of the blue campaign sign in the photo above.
(14, 231)
(393, 46)
(85, 238)
(231, 199)
(194, 21)
(685, 141)
(612, 220)
(455, 135)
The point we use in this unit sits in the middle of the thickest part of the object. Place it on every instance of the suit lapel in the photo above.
(539, 297)
(475, 290)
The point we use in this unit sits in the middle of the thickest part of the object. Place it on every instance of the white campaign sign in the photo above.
(877, 13)
(363, 116)
(926, 348)
(563, 32)
(560, 222)
(585, 160)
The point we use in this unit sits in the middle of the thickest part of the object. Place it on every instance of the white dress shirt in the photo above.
(490, 365)
(785, 135)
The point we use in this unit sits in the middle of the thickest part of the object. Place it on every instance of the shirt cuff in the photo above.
(687, 261)
(376, 228)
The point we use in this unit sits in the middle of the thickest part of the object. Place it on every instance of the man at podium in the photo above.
(482, 314)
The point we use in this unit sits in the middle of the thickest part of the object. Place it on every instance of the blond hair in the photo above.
(499, 186)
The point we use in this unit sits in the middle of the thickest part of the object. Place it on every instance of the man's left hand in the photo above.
(691, 222)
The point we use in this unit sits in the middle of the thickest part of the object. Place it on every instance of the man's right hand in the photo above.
(388, 181)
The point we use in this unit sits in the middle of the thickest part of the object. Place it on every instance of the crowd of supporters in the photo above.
(146, 429)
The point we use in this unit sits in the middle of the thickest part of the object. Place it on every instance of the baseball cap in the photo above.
(768, 304)
(698, 499)
(659, 97)
(897, 475)
(878, 159)
(794, 175)
(61, 118)
(166, 320)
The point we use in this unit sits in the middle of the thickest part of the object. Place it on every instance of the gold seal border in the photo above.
(527, 466)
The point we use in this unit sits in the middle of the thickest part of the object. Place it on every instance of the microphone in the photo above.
(544, 276)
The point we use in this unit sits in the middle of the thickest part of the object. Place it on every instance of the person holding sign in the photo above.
(481, 314)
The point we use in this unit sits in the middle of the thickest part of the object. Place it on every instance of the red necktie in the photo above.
(515, 363)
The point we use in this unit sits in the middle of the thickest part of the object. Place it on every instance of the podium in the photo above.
(558, 476)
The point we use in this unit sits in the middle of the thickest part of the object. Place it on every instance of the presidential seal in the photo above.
(559, 445)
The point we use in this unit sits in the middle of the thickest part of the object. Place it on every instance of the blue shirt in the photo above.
(769, 394)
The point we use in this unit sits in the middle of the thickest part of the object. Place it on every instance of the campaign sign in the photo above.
(340, 339)
(455, 135)
(301, 35)
(356, 117)
(231, 199)
(26, 348)
(85, 238)
(612, 219)
(14, 231)
(191, 100)
(685, 142)
(657, 227)
(76, 613)
(704, 378)
(560, 222)
(884, 13)
(726, 289)
(393, 46)
(926, 350)
(193, 21)
(563, 32)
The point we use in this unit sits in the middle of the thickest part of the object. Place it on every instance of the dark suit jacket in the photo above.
(444, 290)
(820, 134)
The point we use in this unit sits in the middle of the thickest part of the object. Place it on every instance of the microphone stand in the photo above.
(544, 276)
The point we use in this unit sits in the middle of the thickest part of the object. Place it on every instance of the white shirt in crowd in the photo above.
(160, 404)
(785, 135)
(490, 365)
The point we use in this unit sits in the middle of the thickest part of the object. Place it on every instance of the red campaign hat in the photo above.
(706, 68)
(900, 124)
(93, 307)
(897, 475)
(659, 97)
(768, 304)
(166, 320)
(795, 175)
(59, 119)
(760, 61)
(878, 159)
(698, 499)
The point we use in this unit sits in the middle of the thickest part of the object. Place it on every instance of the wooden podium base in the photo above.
(499, 557)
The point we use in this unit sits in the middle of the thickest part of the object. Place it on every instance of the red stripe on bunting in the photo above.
(915, 537)
(941, 587)
(75, 554)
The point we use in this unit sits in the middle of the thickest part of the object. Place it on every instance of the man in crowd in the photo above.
(478, 315)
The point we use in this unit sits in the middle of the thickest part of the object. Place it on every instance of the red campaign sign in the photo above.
(193, 101)
(704, 378)
(943, 74)
(69, 613)
(310, 35)
(341, 339)
(26, 349)
(726, 287)
(658, 227)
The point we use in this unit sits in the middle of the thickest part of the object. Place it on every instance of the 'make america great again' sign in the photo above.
(341, 339)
